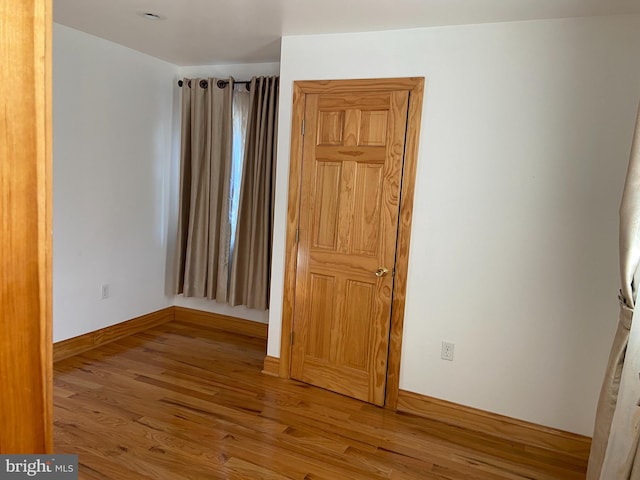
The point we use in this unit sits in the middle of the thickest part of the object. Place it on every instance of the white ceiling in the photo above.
(200, 32)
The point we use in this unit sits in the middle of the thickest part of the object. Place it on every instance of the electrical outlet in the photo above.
(105, 291)
(447, 351)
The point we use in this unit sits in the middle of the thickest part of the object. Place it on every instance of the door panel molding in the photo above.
(415, 86)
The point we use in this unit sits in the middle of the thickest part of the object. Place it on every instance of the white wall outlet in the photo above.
(447, 351)
(104, 291)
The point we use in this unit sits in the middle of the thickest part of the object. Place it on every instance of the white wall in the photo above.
(116, 174)
(240, 72)
(112, 110)
(526, 133)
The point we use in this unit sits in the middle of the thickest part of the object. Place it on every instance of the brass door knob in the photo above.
(381, 272)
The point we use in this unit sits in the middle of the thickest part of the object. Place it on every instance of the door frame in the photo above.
(26, 399)
(415, 86)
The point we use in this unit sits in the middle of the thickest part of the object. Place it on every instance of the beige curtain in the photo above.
(203, 227)
(614, 451)
(250, 266)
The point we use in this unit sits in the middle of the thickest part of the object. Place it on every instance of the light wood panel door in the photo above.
(353, 150)
(25, 227)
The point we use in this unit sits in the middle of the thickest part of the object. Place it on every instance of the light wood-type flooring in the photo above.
(183, 401)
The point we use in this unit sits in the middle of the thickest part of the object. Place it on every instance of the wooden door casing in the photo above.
(302, 94)
(25, 218)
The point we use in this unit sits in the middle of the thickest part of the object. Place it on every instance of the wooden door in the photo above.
(25, 227)
(353, 150)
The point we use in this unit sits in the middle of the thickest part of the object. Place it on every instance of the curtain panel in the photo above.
(251, 263)
(205, 172)
(614, 450)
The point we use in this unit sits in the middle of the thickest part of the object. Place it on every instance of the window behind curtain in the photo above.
(240, 115)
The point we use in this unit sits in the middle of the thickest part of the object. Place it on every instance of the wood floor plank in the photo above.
(473, 440)
(184, 401)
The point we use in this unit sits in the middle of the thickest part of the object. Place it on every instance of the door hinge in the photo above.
(297, 234)
(303, 128)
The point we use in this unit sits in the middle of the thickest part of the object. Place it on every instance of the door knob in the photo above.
(381, 272)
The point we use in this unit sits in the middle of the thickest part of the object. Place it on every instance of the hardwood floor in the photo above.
(183, 401)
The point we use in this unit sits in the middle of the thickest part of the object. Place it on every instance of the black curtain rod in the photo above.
(220, 83)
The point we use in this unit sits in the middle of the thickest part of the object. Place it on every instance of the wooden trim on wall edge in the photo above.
(91, 340)
(414, 122)
(222, 322)
(271, 366)
(507, 428)
(293, 214)
(47, 203)
(73, 346)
